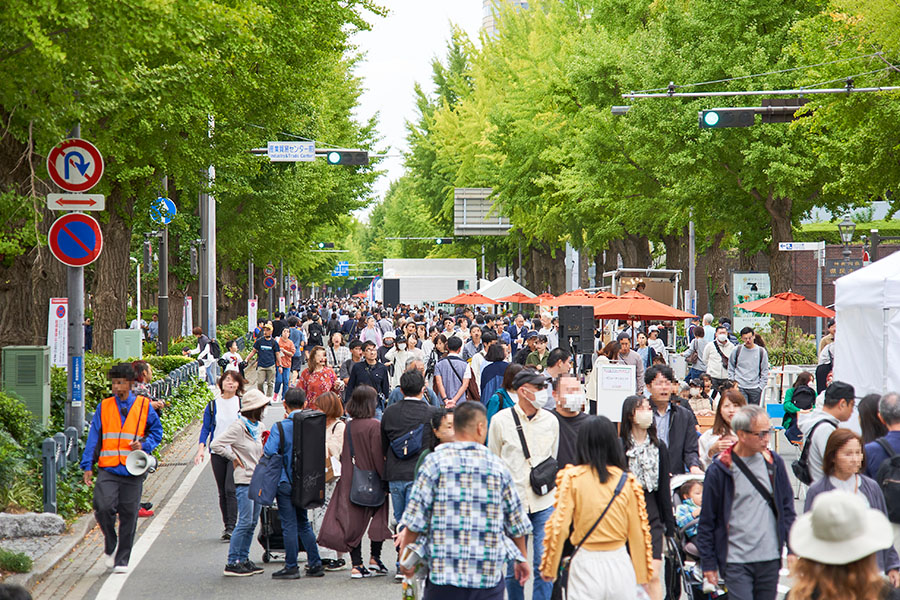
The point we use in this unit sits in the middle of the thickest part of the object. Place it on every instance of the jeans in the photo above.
(752, 581)
(247, 516)
(540, 589)
(265, 380)
(294, 521)
(753, 395)
(211, 372)
(693, 374)
(282, 379)
(400, 491)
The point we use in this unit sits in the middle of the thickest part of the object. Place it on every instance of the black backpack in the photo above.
(888, 477)
(801, 465)
(315, 334)
(214, 349)
(804, 397)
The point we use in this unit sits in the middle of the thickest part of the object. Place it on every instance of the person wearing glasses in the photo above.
(837, 408)
(748, 510)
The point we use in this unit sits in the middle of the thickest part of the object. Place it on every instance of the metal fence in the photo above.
(242, 342)
(63, 448)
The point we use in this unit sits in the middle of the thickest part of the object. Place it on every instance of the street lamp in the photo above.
(846, 228)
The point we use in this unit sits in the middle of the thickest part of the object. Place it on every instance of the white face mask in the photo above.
(695, 391)
(643, 418)
(574, 402)
(722, 337)
(540, 398)
(401, 345)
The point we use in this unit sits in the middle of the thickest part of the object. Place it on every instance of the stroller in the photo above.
(685, 572)
(270, 536)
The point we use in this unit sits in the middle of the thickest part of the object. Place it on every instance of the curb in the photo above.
(46, 563)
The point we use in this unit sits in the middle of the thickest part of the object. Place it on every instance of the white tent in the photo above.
(502, 287)
(867, 343)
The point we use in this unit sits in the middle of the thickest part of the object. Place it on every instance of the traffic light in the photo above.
(347, 157)
(148, 265)
(323, 245)
(443, 241)
(718, 118)
(195, 262)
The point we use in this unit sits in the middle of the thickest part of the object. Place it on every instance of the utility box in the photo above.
(127, 343)
(26, 373)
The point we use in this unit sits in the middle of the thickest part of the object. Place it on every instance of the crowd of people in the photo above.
(478, 428)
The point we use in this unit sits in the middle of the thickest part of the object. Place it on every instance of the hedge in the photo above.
(815, 232)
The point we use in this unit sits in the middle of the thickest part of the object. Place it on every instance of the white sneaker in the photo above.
(121, 569)
(110, 559)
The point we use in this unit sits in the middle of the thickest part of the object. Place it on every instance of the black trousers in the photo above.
(223, 470)
(117, 495)
(374, 552)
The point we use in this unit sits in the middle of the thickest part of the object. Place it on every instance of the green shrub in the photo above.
(16, 562)
(12, 467)
(16, 419)
(799, 350)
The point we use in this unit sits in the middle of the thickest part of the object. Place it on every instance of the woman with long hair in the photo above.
(317, 378)
(644, 350)
(869, 421)
(648, 460)
(843, 464)
(608, 354)
(337, 353)
(837, 543)
(501, 398)
(346, 523)
(602, 568)
(792, 406)
(330, 404)
(720, 437)
(218, 415)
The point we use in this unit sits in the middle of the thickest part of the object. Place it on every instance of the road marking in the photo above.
(115, 582)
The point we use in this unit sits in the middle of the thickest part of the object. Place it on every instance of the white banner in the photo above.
(281, 304)
(251, 314)
(187, 317)
(58, 332)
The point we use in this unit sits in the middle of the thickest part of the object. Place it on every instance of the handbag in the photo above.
(722, 354)
(409, 444)
(543, 476)
(267, 474)
(693, 357)
(366, 488)
(561, 583)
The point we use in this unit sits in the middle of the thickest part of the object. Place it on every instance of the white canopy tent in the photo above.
(867, 343)
(502, 287)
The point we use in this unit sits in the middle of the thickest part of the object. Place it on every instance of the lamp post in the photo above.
(846, 228)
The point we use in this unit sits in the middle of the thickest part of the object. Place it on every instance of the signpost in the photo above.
(291, 151)
(342, 269)
(269, 269)
(75, 165)
(269, 282)
(838, 267)
(69, 201)
(163, 210)
(57, 332)
(819, 249)
(75, 239)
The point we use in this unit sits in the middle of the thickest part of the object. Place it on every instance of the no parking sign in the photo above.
(75, 239)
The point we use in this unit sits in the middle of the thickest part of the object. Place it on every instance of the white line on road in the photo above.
(115, 582)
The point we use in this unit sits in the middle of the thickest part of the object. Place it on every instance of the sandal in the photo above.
(359, 572)
(377, 567)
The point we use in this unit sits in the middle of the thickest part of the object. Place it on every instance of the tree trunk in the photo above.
(113, 267)
(716, 284)
(780, 268)
(677, 247)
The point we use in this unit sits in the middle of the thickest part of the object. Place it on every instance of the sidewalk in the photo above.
(74, 565)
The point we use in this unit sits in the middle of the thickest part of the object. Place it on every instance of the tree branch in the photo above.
(25, 47)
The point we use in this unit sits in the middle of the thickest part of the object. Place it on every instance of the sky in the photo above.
(398, 53)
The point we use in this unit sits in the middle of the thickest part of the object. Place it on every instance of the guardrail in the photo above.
(243, 341)
(63, 448)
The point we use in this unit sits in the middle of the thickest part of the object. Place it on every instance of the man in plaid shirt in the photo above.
(465, 516)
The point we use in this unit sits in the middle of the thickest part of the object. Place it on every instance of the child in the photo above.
(691, 494)
(232, 359)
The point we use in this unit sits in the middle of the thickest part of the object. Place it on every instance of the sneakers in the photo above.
(226, 535)
(147, 505)
(143, 512)
(121, 569)
(110, 559)
(237, 570)
(318, 571)
(287, 573)
(252, 566)
(332, 564)
(399, 577)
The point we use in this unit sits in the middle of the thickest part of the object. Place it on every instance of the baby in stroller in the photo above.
(687, 497)
(687, 514)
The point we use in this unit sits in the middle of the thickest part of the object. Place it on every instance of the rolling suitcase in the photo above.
(309, 459)
(270, 535)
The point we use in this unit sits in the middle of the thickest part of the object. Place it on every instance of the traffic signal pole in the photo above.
(162, 343)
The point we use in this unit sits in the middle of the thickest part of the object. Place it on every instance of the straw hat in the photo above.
(840, 529)
(252, 400)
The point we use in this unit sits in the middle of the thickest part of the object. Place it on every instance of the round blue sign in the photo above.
(163, 210)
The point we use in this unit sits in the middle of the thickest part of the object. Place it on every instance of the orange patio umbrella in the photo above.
(518, 297)
(360, 295)
(544, 298)
(637, 307)
(604, 294)
(470, 298)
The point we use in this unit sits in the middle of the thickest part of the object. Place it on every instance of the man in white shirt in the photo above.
(540, 429)
(549, 330)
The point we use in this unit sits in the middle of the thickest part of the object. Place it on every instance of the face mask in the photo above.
(401, 345)
(540, 398)
(643, 419)
(695, 391)
(722, 338)
(574, 402)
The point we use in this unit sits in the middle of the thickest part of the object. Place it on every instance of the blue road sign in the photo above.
(162, 210)
(77, 380)
(75, 239)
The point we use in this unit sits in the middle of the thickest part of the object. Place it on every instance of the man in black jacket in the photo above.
(405, 433)
(370, 372)
(676, 426)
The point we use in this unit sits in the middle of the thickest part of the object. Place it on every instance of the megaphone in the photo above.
(139, 462)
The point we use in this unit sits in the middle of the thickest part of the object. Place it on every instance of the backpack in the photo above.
(888, 478)
(315, 334)
(804, 397)
(801, 465)
(214, 349)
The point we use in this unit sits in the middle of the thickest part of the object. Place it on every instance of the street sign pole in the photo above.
(74, 416)
(820, 264)
(280, 279)
(204, 249)
(163, 298)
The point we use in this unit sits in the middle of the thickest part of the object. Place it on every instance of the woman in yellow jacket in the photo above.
(602, 568)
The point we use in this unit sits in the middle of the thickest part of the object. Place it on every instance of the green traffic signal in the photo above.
(322, 245)
(443, 241)
(347, 157)
(718, 118)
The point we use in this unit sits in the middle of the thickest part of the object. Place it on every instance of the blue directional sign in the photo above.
(342, 269)
(162, 210)
(77, 380)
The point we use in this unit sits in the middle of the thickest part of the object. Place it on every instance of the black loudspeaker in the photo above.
(309, 459)
(576, 323)
(391, 291)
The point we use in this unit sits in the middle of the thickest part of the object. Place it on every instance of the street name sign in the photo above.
(838, 267)
(81, 202)
(75, 239)
(75, 165)
(291, 151)
(795, 246)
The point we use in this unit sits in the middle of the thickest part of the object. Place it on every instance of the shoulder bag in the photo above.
(267, 474)
(366, 488)
(755, 482)
(561, 584)
(722, 354)
(472, 393)
(543, 476)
